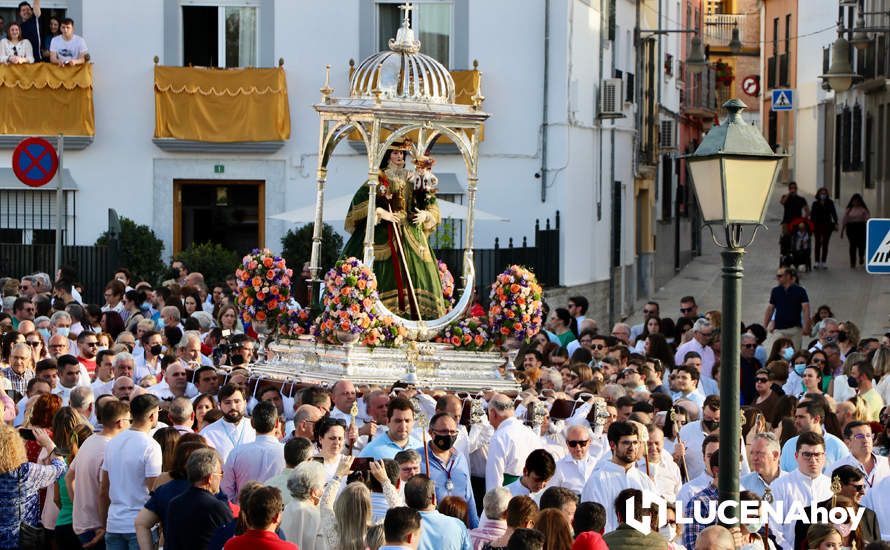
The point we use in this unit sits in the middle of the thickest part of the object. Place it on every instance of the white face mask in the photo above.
(668, 532)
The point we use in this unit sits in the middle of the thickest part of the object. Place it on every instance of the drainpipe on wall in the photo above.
(544, 115)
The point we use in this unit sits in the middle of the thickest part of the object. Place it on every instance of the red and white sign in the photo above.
(751, 85)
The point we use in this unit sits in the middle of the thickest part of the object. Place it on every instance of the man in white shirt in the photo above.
(702, 331)
(662, 468)
(104, 373)
(805, 485)
(343, 396)
(69, 376)
(256, 461)
(233, 429)
(537, 472)
(613, 476)
(693, 434)
(573, 469)
(175, 382)
(859, 439)
(68, 48)
(697, 484)
(132, 463)
(510, 444)
(84, 475)
(876, 500)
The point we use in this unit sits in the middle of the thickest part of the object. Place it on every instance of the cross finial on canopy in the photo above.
(406, 14)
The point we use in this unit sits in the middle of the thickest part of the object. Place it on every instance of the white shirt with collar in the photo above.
(706, 353)
(665, 474)
(607, 480)
(876, 500)
(225, 436)
(797, 487)
(517, 489)
(879, 472)
(161, 390)
(510, 445)
(100, 387)
(694, 486)
(572, 473)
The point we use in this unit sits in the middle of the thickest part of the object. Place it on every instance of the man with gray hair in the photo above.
(702, 332)
(765, 452)
(510, 444)
(81, 400)
(189, 350)
(827, 333)
(493, 523)
(301, 521)
(193, 516)
(182, 414)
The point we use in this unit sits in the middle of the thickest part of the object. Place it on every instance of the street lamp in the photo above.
(735, 43)
(840, 74)
(732, 172)
(696, 61)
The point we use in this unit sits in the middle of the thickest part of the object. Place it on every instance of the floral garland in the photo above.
(447, 280)
(516, 308)
(296, 322)
(350, 293)
(263, 287)
(385, 332)
(467, 334)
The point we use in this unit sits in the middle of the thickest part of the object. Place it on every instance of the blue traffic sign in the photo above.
(783, 100)
(877, 245)
(34, 162)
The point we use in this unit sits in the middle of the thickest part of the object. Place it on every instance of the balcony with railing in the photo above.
(699, 97)
(64, 96)
(873, 65)
(719, 26)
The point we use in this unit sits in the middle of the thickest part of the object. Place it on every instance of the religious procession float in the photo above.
(387, 310)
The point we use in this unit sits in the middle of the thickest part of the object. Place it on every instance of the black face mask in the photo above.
(710, 425)
(156, 349)
(852, 382)
(237, 360)
(444, 442)
(842, 336)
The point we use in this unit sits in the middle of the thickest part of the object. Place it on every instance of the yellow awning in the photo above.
(45, 99)
(221, 105)
(466, 84)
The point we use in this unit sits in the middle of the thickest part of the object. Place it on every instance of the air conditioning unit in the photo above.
(667, 134)
(611, 99)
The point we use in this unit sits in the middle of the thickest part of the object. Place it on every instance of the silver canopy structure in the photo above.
(397, 94)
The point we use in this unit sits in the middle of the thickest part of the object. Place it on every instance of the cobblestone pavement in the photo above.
(852, 294)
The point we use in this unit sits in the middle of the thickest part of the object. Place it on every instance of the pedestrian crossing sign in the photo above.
(877, 245)
(783, 100)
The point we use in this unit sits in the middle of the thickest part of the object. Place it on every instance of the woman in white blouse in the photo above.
(13, 49)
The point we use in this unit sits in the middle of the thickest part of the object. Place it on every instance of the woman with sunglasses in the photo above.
(38, 349)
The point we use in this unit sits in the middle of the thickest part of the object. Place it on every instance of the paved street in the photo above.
(852, 294)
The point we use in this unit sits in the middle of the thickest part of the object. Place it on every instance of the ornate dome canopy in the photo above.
(402, 73)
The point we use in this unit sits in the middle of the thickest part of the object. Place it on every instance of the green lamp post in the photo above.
(732, 172)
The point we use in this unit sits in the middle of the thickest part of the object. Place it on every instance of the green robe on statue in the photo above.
(392, 282)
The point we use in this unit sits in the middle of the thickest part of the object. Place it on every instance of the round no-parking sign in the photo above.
(35, 162)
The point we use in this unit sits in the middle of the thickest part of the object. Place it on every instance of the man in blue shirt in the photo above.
(808, 418)
(400, 422)
(449, 469)
(438, 531)
(791, 306)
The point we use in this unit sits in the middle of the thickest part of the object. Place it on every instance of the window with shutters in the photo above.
(856, 139)
(846, 130)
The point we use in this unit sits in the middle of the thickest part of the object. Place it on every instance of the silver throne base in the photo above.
(428, 365)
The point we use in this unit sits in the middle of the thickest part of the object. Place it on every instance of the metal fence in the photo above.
(542, 257)
(94, 265)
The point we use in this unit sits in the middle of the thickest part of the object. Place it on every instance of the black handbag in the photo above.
(30, 537)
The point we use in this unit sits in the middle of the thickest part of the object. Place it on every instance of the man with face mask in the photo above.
(449, 469)
(829, 329)
(693, 434)
(233, 428)
(613, 476)
(149, 364)
(861, 379)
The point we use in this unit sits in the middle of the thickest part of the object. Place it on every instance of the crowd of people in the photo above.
(139, 423)
(26, 42)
